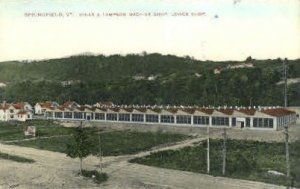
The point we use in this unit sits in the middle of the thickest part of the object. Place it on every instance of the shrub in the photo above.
(98, 177)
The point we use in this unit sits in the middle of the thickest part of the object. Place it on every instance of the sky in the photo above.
(224, 29)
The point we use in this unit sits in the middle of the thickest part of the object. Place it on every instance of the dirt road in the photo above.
(55, 170)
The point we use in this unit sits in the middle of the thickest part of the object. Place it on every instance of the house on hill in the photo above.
(71, 105)
(41, 107)
(103, 104)
(242, 65)
(3, 84)
(217, 70)
(15, 112)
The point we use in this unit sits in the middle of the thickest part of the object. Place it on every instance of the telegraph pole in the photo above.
(224, 151)
(100, 151)
(287, 154)
(208, 160)
(286, 126)
(285, 81)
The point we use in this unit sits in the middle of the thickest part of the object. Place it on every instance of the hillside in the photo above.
(148, 79)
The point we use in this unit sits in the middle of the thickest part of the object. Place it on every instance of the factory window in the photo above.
(247, 122)
(137, 117)
(78, 115)
(266, 123)
(263, 122)
(255, 122)
(184, 119)
(271, 124)
(220, 121)
(227, 121)
(260, 122)
(152, 118)
(49, 114)
(167, 119)
(112, 117)
(233, 121)
(67, 114)
(124, 117)
(99, 116)
(201, 120)
(58, 114)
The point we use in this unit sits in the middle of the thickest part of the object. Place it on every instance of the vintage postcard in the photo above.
(160, 94)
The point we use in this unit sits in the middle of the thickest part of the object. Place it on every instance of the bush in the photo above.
(98, 177)
(249, 160)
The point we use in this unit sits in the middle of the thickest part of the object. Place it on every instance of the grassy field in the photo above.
(15, 130)
(248, 160)
(15, 158)
(112, 143)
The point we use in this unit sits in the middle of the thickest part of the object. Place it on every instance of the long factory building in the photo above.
(267, 118)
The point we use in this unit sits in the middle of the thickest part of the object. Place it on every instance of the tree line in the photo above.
(176, 81)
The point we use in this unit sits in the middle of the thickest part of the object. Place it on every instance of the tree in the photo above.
(81, 146)
(249, 59)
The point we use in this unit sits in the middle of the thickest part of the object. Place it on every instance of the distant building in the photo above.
(3, 84)
(41, 107)
(198, 75)
(217, 70)
(71, 104)
(70, 82)
(15, 112)
(243, 65)
(261, 118)
(103, 104)
(138, 77)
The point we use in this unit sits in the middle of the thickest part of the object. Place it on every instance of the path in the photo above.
(55, 170)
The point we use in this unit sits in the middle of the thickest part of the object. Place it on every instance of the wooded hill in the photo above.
(148, 79)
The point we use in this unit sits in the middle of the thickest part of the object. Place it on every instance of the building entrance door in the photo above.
(242, 125)
(88, 117)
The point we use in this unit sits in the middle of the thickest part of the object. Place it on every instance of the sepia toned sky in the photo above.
(229, 30)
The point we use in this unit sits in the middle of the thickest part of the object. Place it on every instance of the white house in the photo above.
(41, 107)
(3, 84)
(242, 65)
(15, 112)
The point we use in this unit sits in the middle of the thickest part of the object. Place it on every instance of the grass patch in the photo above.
(112, 143)
(56, 144)
(15, 130)
(248, 160)
(95, 175)
(11, 131)
(15, 158)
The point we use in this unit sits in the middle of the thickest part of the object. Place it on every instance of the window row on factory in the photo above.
(180, 119)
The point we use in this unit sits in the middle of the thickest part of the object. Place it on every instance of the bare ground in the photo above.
(55, 170)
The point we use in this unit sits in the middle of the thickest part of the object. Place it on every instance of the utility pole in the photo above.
(208, 160)
(100, 151)
(250, 103)
(287, 154)
(286, 126)
(224, 151)
(285, 81)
